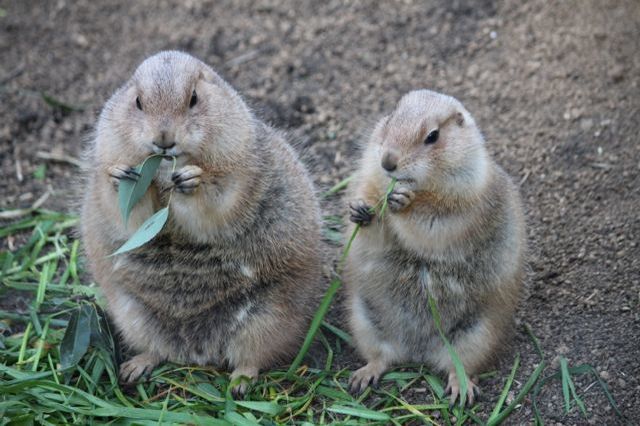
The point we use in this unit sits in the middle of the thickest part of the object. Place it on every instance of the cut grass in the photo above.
(58, 361)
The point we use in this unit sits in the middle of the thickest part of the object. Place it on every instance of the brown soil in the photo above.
(554, 86)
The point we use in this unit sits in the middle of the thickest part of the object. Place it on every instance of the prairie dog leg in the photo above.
(380, 354)
(262, 341)
(474, 346)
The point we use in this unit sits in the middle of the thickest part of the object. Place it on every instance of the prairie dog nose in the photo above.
(165, 140)
(389, 161)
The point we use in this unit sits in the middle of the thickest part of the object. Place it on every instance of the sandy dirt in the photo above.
(553, 85)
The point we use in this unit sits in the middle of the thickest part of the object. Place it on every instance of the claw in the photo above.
(139, 366)
(187, 179)
(119, 172)
(400, 198)
(453, 388)
(361, 213)
(365, 376)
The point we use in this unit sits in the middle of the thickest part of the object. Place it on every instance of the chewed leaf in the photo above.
(130, 192)
(149, 229)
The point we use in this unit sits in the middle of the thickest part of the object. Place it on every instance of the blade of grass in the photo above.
(338, 187)
(335, 284)
(361, 412)
(527, 386)
(457, 363)
(505, 390)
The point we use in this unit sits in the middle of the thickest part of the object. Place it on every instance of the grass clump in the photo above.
(59, 359)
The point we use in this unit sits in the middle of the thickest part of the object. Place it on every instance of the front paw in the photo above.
(361, 213)
(121, 171)
(187, 179)
(400, 198)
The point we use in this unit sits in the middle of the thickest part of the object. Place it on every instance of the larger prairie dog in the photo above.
(234, 277)
(454, 230)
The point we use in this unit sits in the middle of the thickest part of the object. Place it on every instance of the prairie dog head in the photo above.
(430, 142)
(174, 104)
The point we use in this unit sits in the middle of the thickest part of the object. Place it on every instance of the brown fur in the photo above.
(235, 275)
(454, 230)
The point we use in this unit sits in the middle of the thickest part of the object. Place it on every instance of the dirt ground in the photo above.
(553, 85)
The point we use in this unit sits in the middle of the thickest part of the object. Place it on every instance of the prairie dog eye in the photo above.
(194, 99)
(138, 103)
(432, 137)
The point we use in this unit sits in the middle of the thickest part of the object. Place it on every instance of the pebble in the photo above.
(616, 73)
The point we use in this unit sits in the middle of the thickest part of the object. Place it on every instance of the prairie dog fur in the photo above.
(454, 230)
(235, 275)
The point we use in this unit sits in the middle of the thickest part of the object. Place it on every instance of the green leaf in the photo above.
(435, 384)
(149, 229)
(261, 406)
(76, 339)
(40, 172)
(236, 419)
(505, 390)
(565, 383)
(362, 413)
(455, 359)
(130, 192)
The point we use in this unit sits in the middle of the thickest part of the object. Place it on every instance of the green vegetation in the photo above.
(59, 358)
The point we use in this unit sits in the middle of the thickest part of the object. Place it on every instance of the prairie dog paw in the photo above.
(453, 388)
(247, 377)
(361, 213)
(400, 198)
(363, 377)
(140, 365)
(122, 171)
(187, 179)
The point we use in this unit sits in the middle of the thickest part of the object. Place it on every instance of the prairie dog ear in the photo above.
(459, 118)
(381, 125)
(210, 76)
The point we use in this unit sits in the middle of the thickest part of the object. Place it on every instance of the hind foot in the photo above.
(453, 389)
(363, 377)
(140, 365)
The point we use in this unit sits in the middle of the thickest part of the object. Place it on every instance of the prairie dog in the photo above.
(454, 230)
(234, 276)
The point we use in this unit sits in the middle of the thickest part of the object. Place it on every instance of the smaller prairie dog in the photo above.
(454, 230)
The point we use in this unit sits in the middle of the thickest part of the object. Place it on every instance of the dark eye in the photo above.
(194, 99)
(432, 137)
(138, 104)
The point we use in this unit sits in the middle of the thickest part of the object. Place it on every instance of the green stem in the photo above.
(333, 288)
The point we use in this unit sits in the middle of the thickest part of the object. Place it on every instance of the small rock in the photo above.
(616, 73)
(605, 375)
(304, 104)
(586, 124)
(80, 40)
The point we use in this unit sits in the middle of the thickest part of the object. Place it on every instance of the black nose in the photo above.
(389, 161)
(164, 144)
